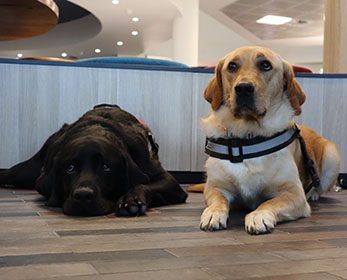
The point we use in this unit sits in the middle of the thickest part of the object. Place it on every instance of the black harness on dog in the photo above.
(238, 149)
(153, 143)
(309, 165)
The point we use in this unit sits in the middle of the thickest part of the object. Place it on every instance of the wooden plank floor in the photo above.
(41, 243)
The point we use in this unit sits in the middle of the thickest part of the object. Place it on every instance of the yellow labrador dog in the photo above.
(254, 98)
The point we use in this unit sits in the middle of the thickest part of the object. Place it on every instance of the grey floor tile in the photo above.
(19, 214)
(127, 231)
(10, 200)
(304, 276)
(82, 257)
(46, 271)
(279, 268)
(183, 263)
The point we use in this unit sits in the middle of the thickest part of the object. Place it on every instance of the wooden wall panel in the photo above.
(325, 111)
(10, 84)
(200, 109)
(335, 116)
(312, 108)
(81, 89)
(163, 100)
(37, 100)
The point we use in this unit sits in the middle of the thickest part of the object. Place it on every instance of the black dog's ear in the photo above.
(134, 175)
(55, 198)
(46, 185)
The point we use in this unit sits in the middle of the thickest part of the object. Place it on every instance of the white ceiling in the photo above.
(109, 23)
(307, 17)
(243, 20)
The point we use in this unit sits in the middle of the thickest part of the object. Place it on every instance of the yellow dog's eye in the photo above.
(265, 65)
(232, 67)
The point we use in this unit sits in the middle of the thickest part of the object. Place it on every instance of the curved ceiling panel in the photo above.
(70, 11)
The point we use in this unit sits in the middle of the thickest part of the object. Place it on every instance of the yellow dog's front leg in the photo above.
(215, 216)
(290, 204)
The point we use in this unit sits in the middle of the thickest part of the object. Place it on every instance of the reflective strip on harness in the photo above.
(236, 149)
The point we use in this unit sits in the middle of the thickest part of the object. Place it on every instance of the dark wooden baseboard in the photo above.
(185, 177)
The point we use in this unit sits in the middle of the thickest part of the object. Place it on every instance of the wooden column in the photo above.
(335, 36)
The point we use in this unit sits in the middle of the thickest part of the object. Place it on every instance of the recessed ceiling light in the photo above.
(115, 2)
(64, 54)
(135, 19)
(134, 33)
(275, 20)
(19, 55)
(97, 50)
(120, 43)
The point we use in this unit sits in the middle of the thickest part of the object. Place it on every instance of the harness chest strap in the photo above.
(309, 165)
(237, 149)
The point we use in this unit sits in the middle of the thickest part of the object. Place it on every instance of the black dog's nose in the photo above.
(246, 89)
(83, 195)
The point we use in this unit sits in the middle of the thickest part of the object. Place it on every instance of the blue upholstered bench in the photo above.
(133, 61)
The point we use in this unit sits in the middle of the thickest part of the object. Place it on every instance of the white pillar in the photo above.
(185, 34)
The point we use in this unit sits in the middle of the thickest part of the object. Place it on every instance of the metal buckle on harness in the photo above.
(236, 143)
(153, 143)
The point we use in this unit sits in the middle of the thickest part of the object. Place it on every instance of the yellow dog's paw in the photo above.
(213, 219)
(260, 221)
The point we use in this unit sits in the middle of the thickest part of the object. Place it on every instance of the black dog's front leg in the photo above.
(22, 175)
(133, 203)
(162, 190)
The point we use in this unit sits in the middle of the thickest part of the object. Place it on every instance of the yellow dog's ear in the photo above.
(214, 90)
(295, 94)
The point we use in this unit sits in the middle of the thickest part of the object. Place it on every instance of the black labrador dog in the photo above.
(105, 162)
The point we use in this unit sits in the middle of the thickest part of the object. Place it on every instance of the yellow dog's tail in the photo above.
(196, 188)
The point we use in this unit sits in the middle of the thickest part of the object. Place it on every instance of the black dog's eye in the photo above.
(70, 169)
(106, 168)
(232, 67)
(265, 65)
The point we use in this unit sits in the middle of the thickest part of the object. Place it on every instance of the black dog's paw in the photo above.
(131, 204)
